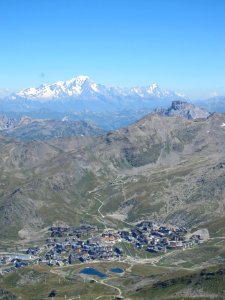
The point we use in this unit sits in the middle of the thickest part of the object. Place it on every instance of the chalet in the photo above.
(138, 245)
(152, 249)
(175, 245)
(136, 233)
(20, 264)
(84, 257)
(118, 250)
(72, 259)
(33, 250)
(59, 263)
(124, 234)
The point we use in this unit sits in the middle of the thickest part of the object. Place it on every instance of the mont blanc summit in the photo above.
(60, 89)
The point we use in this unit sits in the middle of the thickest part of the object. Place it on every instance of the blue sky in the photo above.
(180, 44)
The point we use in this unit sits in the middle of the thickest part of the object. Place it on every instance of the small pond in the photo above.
(92, 271)
(117, 270)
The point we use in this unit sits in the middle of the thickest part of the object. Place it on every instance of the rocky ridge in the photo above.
(184, 109)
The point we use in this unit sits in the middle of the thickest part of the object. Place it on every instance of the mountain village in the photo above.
(87, 243)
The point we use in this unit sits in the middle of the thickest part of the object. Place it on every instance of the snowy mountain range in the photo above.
(80, 98)
(82, 87)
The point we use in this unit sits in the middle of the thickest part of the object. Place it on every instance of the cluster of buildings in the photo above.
(86, 243)
(68, 245)
(9, 262)
(157, 238)
(81, 231)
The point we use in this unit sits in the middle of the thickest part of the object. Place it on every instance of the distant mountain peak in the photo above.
(78, 80)
(59, 89)
(82, 77)
(184, 109)
(153, 87)
(7, 122)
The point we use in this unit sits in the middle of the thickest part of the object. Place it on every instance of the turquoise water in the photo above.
(92, 271)
(117, 270)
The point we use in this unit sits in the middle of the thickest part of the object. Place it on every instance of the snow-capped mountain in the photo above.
(81, 87)
(61, 89)
(82, 95)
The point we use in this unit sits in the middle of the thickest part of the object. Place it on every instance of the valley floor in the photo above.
(138, 281)
(196, 273)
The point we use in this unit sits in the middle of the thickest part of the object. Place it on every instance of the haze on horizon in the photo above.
(178, 44)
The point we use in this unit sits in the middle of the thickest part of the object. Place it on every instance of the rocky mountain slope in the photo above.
(28, 129)
(184, 109)
(6, 122)
(163, 168)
